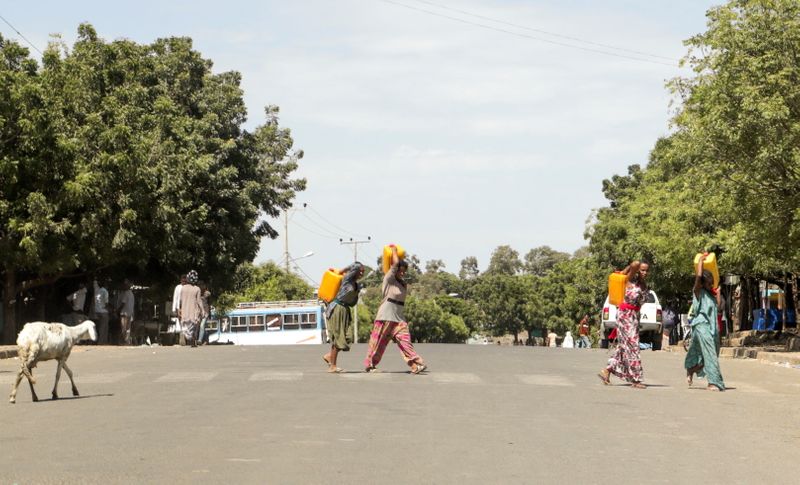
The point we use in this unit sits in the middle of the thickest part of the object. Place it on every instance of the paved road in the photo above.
(483, 414)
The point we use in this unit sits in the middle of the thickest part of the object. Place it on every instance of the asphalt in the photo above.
(483, 414)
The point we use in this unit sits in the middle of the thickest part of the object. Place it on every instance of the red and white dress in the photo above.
(626, 363)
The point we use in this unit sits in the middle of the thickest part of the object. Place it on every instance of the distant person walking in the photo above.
(176, 307)
(626, 363)
(583, 333)
(339, 314)
(191, 311)
(552, 338)
(205, 297)
(125, 306)
(101, 311)
(702, 357)
(569, 342)
(390, 322)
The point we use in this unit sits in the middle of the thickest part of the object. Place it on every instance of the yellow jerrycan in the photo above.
(616, 288)
(387, 256)
(710, 264)
(331, 281)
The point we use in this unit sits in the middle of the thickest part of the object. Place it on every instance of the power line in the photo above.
(20, 34)
(576, 39)
(518, 34)
(321, 227)
(313, 232)
(345, 231)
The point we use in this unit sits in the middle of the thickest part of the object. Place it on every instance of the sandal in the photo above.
(638, 385)
(372, 370)
(335, 370)
(419, 368)
(605, 376)
(325, 359)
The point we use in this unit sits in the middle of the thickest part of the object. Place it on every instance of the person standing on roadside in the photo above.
(125, 306)
(205, 296)
(101, 311)
(552, 339)
(339, 314)
(77, 301)
(626, 362)
(583, 333)
(191, 310)
(701, 359)
(390, 322)
(176, 306)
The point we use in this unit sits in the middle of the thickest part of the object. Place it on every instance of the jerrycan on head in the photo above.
(710, 264)
(387, 256)
(616, 287)
(331, 281)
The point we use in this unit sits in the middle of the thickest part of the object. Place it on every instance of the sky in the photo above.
(448, 127)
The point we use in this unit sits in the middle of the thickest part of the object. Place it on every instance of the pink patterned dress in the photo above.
(626, 362)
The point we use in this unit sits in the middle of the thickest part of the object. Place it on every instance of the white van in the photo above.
(650, 326)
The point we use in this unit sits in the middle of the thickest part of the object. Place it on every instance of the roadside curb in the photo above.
(9, 353)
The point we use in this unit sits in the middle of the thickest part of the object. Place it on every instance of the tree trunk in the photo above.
(10, 307)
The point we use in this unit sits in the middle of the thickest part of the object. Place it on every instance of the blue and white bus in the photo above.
(271, 323)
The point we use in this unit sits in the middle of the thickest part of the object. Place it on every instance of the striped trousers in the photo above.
(382, 333)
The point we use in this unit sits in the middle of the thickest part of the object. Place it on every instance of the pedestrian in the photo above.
(670, 320)
(101, 311)
(390, 322)
(552, 337)
(626, 362)
(191, 311)
(205, 295)
(125, 306)
(77, 301)
(583, 333)
(702, 357)
(339, 315)
(176, 306)
(569, 342)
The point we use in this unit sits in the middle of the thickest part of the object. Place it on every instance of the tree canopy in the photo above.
(131, 158)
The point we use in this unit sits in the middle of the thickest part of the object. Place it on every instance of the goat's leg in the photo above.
(69, 373)
(58, 376)
(13, 398)
(31, 380)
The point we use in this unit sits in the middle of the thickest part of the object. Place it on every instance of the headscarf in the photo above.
(349, 281)
(191, 277)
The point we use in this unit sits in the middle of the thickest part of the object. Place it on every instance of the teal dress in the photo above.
(704, 348)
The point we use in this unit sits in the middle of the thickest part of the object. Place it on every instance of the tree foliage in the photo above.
(132, 157)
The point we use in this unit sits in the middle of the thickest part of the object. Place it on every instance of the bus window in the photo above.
(273, 323)
(291, 321)
(238, 324)
(308, 321)
(256, 323)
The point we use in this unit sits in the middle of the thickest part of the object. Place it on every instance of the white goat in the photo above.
(39, 341)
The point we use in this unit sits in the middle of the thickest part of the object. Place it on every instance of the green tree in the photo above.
(502, 299)
(539, 261)
(133, 159)
(469, 268)
(738, 122)
(504, 261)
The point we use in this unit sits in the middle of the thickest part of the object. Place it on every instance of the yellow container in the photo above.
(616, 288)
(709, 264)
(331, 281)
(387, 256)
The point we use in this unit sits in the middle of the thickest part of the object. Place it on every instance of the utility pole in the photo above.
(286, 236)
(355, 258)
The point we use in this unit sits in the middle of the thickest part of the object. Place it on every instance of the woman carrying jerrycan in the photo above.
(390, 322)
(626, 362)
(339, 315)
(701, 358)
